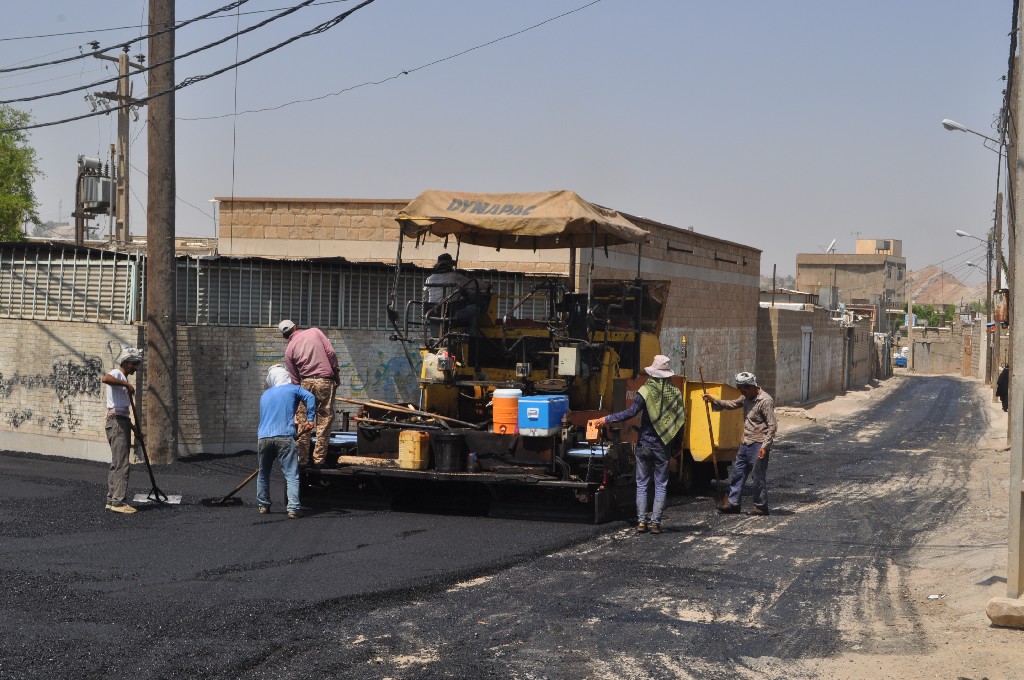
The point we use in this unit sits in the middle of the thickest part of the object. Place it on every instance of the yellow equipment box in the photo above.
(726, 426)
(413, 450)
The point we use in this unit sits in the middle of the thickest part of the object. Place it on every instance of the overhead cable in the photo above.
(124, 45)
(202, 48)
(397, 75)
(124, 28)
(197, 79)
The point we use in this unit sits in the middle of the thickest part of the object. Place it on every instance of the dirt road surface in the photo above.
(886, 539)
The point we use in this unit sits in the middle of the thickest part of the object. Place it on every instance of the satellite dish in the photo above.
(831, 247)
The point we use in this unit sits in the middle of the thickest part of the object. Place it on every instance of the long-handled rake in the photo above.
(229, 499)
(718, 495)
(155, 495)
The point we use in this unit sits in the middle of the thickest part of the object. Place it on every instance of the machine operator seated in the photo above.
(452, 296)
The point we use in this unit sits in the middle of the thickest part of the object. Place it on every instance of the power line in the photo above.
(397, 75)
(124, 28)
(96, 51)
(197, 79)
(166, 61)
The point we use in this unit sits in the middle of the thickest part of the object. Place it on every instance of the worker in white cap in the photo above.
(118, 427)
(759, 427)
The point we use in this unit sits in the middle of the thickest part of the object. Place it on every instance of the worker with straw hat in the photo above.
(662, 416)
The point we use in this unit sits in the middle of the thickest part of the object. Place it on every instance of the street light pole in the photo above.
(988, 299)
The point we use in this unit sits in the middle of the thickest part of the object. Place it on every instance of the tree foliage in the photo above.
(18, 170)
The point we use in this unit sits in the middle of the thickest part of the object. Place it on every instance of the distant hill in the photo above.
(933, 286)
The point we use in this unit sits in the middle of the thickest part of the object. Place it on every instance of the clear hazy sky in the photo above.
(780, 125)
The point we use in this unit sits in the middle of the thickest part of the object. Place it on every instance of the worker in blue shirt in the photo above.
(277, 436)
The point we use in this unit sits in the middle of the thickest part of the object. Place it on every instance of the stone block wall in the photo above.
(52, 401)
(780, 353)
(51, 398)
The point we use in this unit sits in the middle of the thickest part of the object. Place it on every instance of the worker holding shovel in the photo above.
(759, 427)
(276, 435)
(663, 416)
(119, 427)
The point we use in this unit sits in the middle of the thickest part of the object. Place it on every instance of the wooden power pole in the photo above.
(161, 316)
(123, 97)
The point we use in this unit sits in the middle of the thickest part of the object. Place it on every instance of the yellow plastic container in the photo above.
(726, 426)
(413, 450)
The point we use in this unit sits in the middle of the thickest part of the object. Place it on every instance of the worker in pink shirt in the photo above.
(312, 363)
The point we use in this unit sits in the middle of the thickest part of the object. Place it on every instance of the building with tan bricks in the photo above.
(714, 283)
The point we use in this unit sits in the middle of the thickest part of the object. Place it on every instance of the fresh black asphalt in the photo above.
(363, 592)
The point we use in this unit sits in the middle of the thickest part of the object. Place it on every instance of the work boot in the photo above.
(294, 514)
(655, 528)
(264, 510)
(123, 509)
(760, 510)
(641, 527)
(728, 508)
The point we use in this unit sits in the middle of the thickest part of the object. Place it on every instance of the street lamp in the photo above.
(954, 126)
(988, 296)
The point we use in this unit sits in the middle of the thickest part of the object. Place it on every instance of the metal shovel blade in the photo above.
(171, 499)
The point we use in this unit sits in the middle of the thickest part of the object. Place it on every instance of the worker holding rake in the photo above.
(759, 427)
(276, 435)
(119, 427)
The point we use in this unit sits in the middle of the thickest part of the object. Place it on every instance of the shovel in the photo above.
(718, 495)
(229, 500)
(155, 495)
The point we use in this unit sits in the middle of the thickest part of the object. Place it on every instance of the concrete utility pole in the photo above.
(123, 98)
(161, 316)
(1015, 155)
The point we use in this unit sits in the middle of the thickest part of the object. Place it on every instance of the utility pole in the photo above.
(1015, 156)
(124, 101)
(161, 315)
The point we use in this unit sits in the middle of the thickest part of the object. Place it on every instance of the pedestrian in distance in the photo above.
(759, 427)
(662, 416)
(118, 427)
(312, 363)
(276, 436)
(1003, 386)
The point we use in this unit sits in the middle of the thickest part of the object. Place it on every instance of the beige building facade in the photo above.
(873, 280)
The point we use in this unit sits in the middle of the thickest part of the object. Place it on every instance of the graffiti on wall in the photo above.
(70, 376)
(390, 378)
